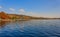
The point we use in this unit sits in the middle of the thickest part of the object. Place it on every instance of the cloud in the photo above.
(21, 10)
(0, 6)
(11, 9)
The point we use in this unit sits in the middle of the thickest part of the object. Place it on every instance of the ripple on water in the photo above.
(35, 28)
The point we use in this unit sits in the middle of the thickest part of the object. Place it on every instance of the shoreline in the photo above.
(25, 19)
(12, 20)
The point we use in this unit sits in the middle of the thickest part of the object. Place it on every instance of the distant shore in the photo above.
(12, 20)
(15, 17)
(25, 19)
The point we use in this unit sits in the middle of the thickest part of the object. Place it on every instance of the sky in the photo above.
(37, 8)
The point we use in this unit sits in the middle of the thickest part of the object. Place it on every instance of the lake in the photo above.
(31, 28)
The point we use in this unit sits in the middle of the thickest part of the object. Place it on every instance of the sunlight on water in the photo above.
(33, 28)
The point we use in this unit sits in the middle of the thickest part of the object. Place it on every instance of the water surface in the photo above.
(33, 28)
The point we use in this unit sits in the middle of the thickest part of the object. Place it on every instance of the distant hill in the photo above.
(4, 15)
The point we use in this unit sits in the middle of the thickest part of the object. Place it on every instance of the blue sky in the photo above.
(39, 8)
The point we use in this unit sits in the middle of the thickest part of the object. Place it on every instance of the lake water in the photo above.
(33, 28)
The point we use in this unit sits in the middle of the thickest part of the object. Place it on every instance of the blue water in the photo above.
(33, 28)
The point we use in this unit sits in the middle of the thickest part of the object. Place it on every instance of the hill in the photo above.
(6, 16)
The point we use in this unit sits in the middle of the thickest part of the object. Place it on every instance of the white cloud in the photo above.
(0, 6)
(11, 9)
(21, 10)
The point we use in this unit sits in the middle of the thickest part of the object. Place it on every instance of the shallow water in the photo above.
(33, 28)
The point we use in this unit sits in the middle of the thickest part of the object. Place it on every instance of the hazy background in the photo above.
(39, 8)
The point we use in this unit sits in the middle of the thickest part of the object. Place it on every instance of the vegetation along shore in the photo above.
(15, 17)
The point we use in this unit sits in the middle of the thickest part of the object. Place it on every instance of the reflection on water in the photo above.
(34, 28)
(2, 23)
